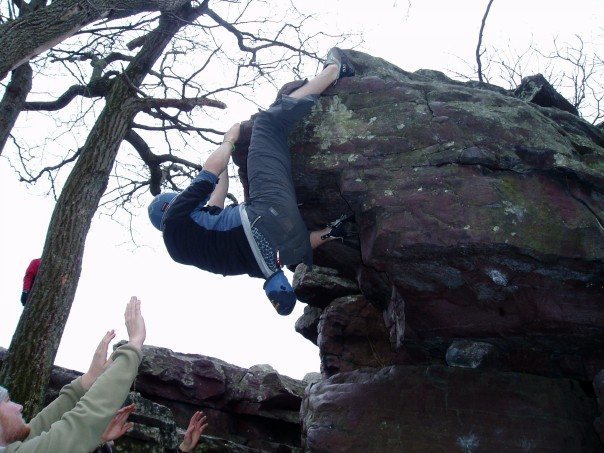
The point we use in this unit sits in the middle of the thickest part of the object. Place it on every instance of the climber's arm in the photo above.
(219, 159)
(220, 191)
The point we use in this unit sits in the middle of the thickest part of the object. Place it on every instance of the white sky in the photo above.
(188, 310)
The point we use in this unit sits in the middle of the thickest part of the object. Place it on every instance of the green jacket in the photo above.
(74, 421)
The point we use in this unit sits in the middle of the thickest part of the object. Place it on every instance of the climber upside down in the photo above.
(259, 236)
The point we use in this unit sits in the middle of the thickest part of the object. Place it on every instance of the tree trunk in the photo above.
(12, 102)
(34, 345)
(34, 33)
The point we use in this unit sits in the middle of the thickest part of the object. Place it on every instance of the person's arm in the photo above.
(220, 191)
(80, 429)
(199, 191)
(119, 424)
(71, 393)
(219, 159)
(197, 194)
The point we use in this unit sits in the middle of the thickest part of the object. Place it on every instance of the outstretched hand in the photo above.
(197, 425)
(99, 361)
(135, 324)
(118, 425)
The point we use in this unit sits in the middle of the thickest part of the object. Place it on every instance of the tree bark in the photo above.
(13, 100)
(34, 345)
(38, 31)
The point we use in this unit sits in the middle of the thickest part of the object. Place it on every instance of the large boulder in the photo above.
(470, 304)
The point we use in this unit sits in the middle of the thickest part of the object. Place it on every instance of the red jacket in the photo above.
(30, 274)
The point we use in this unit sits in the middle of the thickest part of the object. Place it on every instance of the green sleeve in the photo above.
(80, 429)
(67, 399)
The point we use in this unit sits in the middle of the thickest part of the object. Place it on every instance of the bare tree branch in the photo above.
(177, 126)
(242, 36)
(88, 61)
(184, 104)
(154, 161)
(480, 34)
(99, 88)
(34, 33)
(49, 170)
(13, 100)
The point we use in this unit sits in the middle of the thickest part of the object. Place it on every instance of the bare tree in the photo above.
(27, 366)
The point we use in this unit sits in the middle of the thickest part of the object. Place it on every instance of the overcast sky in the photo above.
(188, 310)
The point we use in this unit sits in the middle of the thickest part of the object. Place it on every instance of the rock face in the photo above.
(480, 246)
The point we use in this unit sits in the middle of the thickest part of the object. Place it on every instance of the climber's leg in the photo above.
(337, 65)
(272, 206)
(318, 84)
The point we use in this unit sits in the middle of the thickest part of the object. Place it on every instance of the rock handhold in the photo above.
(468, 354)
(538, 90)
(319, 286)
(307, 324)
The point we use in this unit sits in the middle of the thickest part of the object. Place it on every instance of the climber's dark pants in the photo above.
(272, 205)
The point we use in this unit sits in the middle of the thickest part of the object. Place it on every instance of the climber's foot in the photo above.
(341, 228)
(336, 56)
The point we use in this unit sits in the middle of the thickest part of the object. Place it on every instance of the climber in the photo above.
(259, 236)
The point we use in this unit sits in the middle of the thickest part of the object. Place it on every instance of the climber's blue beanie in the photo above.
(158, 206)
(280, 293)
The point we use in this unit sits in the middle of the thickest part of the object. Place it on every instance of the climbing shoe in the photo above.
(341, 228)
(337, 56)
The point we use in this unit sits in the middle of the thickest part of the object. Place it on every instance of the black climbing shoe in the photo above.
(337, 56)
(341, 228)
